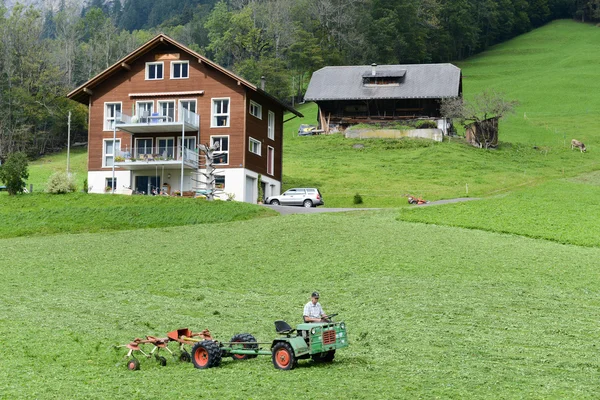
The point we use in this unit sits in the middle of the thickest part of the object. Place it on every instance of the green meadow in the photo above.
(432, 312)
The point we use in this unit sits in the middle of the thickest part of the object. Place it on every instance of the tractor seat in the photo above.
(283, 327)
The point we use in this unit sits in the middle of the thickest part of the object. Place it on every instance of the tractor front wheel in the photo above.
(133, 364)
(245, 338)
(283, 356)
(324, 357)
(206, 354)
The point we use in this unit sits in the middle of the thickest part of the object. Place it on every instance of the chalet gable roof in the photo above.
(82, 93)
(418, 81)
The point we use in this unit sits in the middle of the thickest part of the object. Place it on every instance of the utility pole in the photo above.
(69, 145)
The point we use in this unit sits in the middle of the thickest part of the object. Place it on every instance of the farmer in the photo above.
(313, 311)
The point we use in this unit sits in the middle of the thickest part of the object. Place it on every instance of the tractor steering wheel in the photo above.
(330, 316)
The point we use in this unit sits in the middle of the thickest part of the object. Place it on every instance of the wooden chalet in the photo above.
(149, 112)
(348, 95)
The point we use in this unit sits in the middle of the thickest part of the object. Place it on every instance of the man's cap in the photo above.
(315, 294)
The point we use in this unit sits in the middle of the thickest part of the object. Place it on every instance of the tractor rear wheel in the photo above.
(283, 356)
(206, 354)
(244, 337)
(133, 364)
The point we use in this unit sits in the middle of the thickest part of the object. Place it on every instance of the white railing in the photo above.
(190, 156)
(189, 117)
(157, 154)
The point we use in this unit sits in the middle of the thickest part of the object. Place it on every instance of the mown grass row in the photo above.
(43, 214)
(565, 211)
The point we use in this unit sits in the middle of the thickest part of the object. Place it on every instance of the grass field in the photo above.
(565, 211)
(44, 214)
(432, 312)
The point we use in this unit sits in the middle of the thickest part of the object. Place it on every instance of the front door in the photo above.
(250, 185)
(146, 184)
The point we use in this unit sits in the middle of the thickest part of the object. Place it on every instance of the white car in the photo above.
(307, 197)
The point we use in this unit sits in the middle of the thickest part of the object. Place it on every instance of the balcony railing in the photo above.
(187, 117)
(158, 155)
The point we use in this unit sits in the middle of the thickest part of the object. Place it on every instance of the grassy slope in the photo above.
(550, 71)
(565, 211)
(41, 169)
(43, 214)
(432, 311)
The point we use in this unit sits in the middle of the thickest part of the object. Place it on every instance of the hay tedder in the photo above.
(318, 341)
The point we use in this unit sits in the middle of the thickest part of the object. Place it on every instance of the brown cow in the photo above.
(578, 144)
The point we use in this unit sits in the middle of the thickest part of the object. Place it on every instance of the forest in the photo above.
(48, 52)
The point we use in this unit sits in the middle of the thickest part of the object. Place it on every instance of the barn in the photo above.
(348, 95)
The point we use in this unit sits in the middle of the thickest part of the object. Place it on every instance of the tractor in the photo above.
(318, 341)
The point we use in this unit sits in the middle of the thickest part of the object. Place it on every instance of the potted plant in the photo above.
(230, 196)
(260, 190)
(119, 159)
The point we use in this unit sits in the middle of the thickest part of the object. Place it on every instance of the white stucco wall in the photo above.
(97, 180)
(235, 181)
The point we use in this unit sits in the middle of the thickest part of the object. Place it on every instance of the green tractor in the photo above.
(318, 341)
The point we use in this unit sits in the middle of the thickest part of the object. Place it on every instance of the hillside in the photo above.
(551, 71)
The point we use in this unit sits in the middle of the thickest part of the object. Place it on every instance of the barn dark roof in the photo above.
(418, 81)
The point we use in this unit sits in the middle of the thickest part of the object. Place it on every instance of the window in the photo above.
(256, 109)
(189, 142)
(110, 151)
(145, 110)
(220, 113)
(387, 80)
(154, 70)
(166, 148)
(143, 147)
(254, 146)
(221, 156)
(111, 185)
(270, 160)
(167, 109)
(179, 69)
(184, 107)
(111, 112)
(220, 181)
(271, 126)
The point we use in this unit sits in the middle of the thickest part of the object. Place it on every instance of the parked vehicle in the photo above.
(307, 197)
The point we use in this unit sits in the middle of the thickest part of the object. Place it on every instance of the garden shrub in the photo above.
(358, 199)
(60, 183)
(14, 172)
(426, 124)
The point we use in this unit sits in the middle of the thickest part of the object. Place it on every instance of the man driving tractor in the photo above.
(313, 312)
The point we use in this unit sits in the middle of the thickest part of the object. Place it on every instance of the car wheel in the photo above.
(275, 202)
(307, 203)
